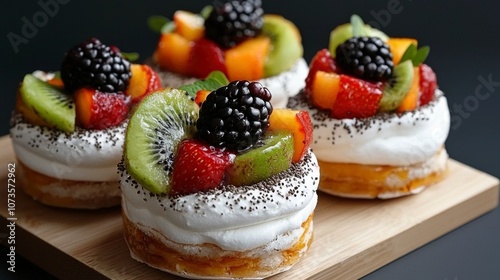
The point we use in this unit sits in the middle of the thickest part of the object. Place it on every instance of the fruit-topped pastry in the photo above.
(380, 121)
(68, 126)
(225, 190)
(236, 38)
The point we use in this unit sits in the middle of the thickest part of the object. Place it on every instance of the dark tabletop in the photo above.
(465, 54)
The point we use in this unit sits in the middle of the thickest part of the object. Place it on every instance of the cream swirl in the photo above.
(281, 86)
(84, 155)
(233, 218)
(385, 139)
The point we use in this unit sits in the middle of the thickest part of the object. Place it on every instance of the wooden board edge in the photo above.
(398, 246)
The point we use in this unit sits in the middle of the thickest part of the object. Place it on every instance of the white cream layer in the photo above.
(395, 139)
(233, 219)
(282, 86)
(84, 155)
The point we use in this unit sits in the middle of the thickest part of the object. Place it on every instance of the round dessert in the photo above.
(236, 38)
(68, 128)
(226, 190)
(380, 123)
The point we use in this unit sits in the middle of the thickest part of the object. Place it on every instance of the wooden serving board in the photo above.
(351, 237)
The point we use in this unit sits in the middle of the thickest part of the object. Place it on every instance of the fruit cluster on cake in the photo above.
(380, 122)
(224, 187)
(68, 127)
(236, 38)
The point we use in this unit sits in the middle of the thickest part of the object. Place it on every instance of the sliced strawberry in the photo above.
(98, 110)
(356, 98)
(428, 84)
(198, 167)
(322, 61)
(205, 56)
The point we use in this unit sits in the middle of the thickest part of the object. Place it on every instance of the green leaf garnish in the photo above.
(157, 23)
(417, 56)
(410, 53)
(357, 25)
(57, 74)
(168, 27)
(421, 55)
(133, 56)
(205, 12)
(213, 81)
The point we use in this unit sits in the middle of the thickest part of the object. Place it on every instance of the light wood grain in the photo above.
(352, 237)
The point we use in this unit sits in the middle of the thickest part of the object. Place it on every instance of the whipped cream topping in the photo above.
(281, 86)
(84, 155)
(233, 218)
(385, 139)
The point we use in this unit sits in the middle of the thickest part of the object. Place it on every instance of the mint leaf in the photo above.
(421, 55)
(357, 25)
(205, 12)
(168, 27)
(133, 56)
(213, 81)
(156, 23)
(410, 53)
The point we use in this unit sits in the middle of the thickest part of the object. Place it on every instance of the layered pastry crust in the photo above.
(208, 260)
(67, 193)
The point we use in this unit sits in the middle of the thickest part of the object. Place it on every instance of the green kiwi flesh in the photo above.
(286, 46)
(345, 31)
(53, 105)
(396, 88)
(257, 164)
(157, 125)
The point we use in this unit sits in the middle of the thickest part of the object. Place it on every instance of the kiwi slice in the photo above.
(345, 31)
(286, 46)
(52, 105)
(396, 88)
(257, 164)
(157, 125)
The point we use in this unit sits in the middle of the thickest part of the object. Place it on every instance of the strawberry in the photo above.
(205, 56)
(322, 61)
(356, 98)
(198, 167)
(428, 84)
(98, 110)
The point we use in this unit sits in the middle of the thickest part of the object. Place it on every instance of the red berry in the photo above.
(198, 167)
(204, 57)
(356, 98)
(98, 110)
(322, 61)
(428, 84)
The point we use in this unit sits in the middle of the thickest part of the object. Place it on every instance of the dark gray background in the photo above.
(465, 51)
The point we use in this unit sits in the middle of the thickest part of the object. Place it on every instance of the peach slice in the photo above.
(410, 102)
(201, 95)
(398, 47)
(246, 60)
(298, 122)
(324, 90)
(172, 53)
(189, 25)
(144, 80)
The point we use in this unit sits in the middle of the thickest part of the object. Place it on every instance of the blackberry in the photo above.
(367, 58)
(93, 64)
(233, 21)
(235, 116)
